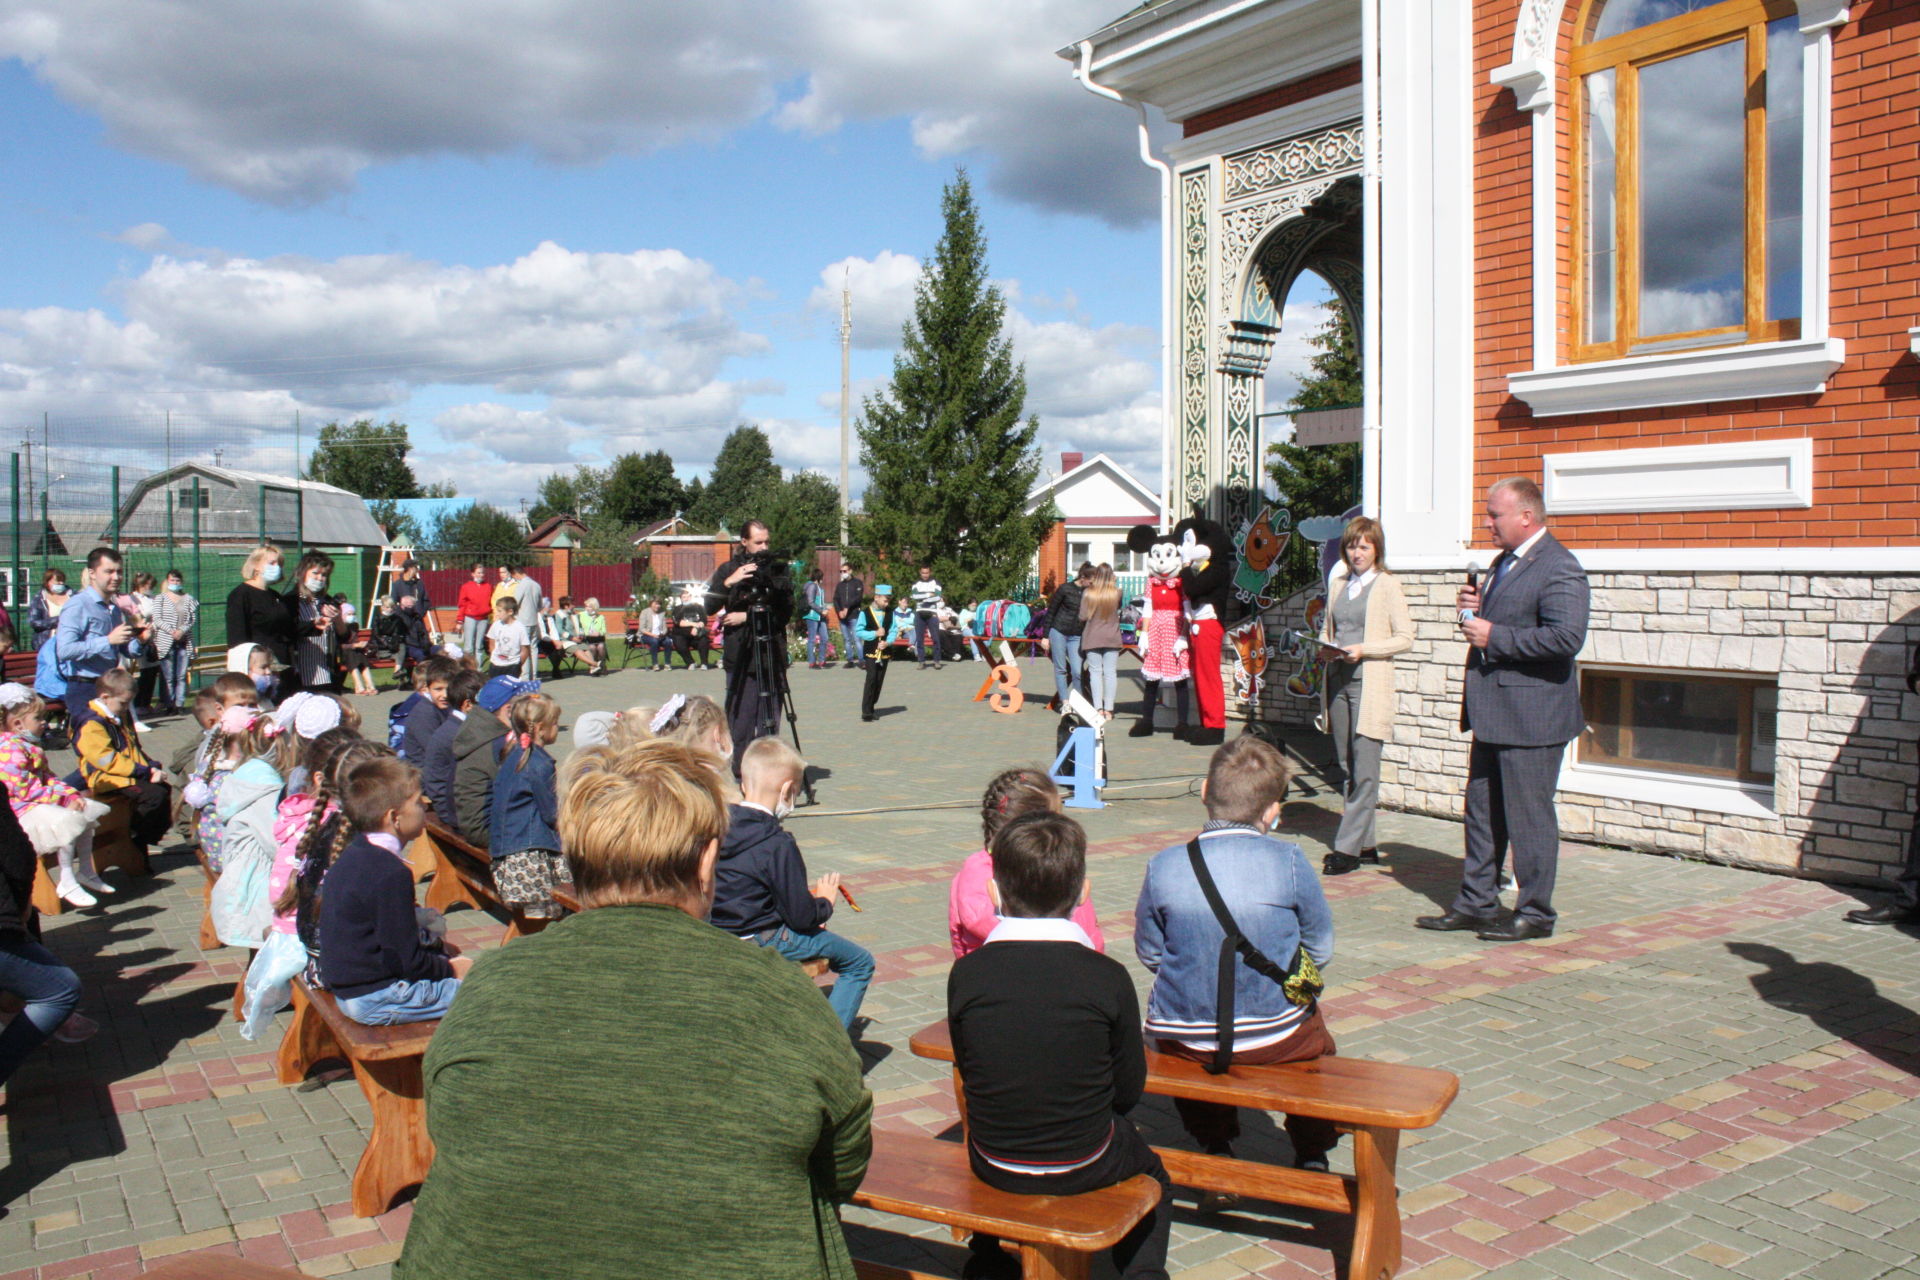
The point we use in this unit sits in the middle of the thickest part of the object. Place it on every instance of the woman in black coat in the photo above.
(257, 614)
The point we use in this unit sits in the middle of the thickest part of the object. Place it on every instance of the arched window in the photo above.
(1687, 137)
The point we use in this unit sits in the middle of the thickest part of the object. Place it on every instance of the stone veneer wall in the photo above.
(1845, 758)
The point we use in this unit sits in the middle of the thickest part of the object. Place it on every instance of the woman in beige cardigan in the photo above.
(1365, 624)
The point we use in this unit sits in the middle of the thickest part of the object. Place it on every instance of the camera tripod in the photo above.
(765, 668)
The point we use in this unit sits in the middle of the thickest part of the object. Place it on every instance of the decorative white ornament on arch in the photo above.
(1530, 70)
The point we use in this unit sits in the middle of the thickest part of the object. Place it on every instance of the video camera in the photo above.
(773, 576)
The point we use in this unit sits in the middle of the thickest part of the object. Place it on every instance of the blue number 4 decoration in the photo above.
(1078, 767)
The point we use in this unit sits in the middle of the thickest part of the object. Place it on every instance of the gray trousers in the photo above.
(1510, 808)
(1359, 758)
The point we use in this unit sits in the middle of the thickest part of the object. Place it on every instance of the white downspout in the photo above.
(1370, 287)
(1169, 398)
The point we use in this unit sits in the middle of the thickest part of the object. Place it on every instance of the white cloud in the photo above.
(288, 103)
(882, 294)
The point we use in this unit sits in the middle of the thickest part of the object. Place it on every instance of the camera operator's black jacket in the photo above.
(777, 582)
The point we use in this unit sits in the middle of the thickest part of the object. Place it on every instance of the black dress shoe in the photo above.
(1143, 729)
(1518, 929)
(1338, 864)
(1885, 913)
(1451, 921)
(1371, 857)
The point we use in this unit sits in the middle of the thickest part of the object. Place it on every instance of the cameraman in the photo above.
(752, 580)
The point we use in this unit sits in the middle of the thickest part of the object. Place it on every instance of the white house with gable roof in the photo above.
(1099, 501)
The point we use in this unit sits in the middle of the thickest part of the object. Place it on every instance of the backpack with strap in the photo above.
(1300, 981)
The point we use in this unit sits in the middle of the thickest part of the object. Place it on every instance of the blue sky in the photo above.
(544, 233)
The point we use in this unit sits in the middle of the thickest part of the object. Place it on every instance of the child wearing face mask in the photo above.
(57, 819)
(760, 890)
(256, 664)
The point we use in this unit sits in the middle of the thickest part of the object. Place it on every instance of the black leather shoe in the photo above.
(1517, 929)
(1338, 864)
(1370, 857)
(1142, 729)
(1207, 737)
(1452, 921)
(1885, 913)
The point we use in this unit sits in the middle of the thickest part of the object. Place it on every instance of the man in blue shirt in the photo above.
(92, 636)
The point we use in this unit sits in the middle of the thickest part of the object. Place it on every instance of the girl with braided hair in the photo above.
(282, 957)
(971, 913)
(319, 842)
(248, 802)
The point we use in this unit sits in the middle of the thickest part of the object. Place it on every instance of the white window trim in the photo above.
(1682, 791)
(1616, 480)
(1761, 369)
(1694, 377)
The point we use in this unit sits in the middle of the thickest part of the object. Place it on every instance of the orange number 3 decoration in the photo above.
(1006, 697)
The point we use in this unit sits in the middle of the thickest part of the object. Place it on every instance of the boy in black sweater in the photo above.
(1046, 1037)
(760, 889)
(374, 956)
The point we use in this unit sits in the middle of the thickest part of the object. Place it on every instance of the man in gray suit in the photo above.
(526, 604)
(1522, 705)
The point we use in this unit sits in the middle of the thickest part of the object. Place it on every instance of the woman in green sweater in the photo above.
(633, 1092)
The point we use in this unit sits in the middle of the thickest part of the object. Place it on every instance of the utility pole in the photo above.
(846, 340)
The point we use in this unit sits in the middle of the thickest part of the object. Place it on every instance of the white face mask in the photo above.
(781, 809)
(316, 585)
(270, 574)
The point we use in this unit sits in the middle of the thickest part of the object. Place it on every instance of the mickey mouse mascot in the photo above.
(1163, 631)
(1206, 583)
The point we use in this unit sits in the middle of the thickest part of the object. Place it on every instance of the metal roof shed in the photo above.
(242, 506)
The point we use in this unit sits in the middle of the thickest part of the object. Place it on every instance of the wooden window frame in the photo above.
(1588, 753)
(1625, 54)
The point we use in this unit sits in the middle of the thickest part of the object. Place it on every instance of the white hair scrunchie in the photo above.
(664, 716)
(13, 694)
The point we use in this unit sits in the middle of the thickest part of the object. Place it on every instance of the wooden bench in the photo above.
(463, 876)
(1372, 1101)
(113, 844)
(209, 936)
(929, 1180)
(386, 1061)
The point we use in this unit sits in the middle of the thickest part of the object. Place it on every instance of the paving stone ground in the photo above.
(1704, 1073)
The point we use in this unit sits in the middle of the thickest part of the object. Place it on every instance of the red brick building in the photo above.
(1659, 255)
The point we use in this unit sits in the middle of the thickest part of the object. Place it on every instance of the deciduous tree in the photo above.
(366, 458)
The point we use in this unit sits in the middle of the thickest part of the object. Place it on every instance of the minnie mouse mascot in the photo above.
(1206, 583)
(1163, 638)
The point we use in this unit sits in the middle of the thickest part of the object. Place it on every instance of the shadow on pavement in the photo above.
(1839, 1001)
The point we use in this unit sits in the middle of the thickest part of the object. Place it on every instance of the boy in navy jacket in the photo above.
(374, 956)
(760, 889)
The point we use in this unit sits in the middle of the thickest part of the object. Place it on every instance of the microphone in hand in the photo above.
(1473, 585)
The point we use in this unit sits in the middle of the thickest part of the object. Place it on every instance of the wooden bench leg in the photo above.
(447, 890)
(46, 898)
(1376, 1217)
(1052, 1262)
(399, 1152)
(209, 936)
(306, 1041)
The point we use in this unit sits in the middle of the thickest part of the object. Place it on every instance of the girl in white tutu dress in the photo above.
(57, 819)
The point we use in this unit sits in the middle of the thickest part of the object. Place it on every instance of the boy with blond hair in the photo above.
(1277, 906)
(760, 883)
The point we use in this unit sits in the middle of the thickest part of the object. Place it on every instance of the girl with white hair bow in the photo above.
(58, 819)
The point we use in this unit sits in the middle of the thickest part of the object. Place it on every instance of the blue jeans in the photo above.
(173, 675)
(816, 639)
(849, 642)
(1103, 674)
(421, 1001)
(851, 963)
(50, 990)
(657, 645)
(1066, 661)
(473, 635)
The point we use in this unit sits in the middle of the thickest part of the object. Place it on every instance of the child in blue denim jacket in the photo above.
(1277, 904)
(522, 820)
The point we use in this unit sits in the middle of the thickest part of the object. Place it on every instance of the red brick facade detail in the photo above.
(1865, 427)
(1319, 84)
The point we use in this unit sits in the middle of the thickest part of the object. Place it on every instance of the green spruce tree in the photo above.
(949, 459)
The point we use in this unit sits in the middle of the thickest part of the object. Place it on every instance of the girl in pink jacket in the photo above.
(970, 911)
